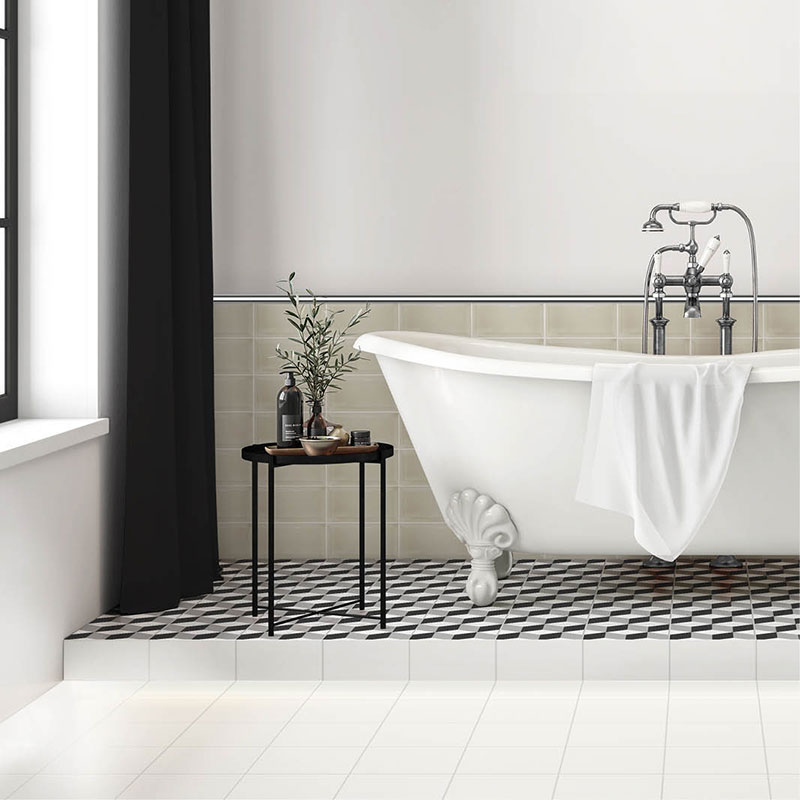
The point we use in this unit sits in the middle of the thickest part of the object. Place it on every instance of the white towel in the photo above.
(658, 445)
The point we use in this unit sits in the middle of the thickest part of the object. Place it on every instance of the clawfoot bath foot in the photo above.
(489, 534)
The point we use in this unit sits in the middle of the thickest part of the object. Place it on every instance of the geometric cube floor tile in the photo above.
(540, 599)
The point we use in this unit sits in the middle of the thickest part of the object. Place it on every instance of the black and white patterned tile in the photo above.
(539, 599)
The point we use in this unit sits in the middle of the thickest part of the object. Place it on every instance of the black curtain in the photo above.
(170, 535)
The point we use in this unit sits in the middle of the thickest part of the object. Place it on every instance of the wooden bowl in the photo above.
(320, 445)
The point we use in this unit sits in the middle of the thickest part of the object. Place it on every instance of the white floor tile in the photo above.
(279, 659)
(538, 710)
(716, 787)
(539, 659)
(28, 757)
(548, 689)
(510, 760)
(193, 659)
(501, 787)
(721, 760)
(9, 783)
(779, 689)
(415, 711)
(299, 690)
(612, 760)
(717, 659)
(431, 734)
(287, 787)
(80, 787)
(174, 690)
(307, 761)
(228, 734)
(783, 709)
(642, 711)
(782, 734)
(316, 710)
(134, 734)
(106, 659)
(442, 689)
(204, 761)
(505, 734)
(258, 710)
(625, 690)
(608, 787)
(401, 787)
(784, 787)
(452, 659)
(408, 761)
(716, 734)
(180, 787)
(717, 710)
(713, 689)
(160, 709)
(359, 689)
(783, 760)
(626, 659)
(365, 659)
(80, 759)
(632, 734)
(343, 734)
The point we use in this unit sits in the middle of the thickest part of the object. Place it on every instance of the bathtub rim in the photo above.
(574, 364)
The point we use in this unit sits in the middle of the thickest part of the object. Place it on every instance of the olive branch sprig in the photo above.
(319, 360)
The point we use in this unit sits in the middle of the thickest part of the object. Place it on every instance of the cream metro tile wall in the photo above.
(316, 507)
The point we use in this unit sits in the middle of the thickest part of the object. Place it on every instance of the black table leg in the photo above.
(383, 542)
(254, 544)
(271, 547)
(361, 539)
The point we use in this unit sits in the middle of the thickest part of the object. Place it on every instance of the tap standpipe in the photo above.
(726, 321)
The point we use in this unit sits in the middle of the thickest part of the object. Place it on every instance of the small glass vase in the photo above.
(315, 425)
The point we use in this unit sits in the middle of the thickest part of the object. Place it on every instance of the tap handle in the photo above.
(694, 206)
(708, 253)
(657, 264)
(726, 261)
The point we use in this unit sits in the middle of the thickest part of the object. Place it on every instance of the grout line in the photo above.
(566, 741)
(471, 734)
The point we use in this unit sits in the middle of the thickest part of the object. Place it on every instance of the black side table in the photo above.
(257, 454)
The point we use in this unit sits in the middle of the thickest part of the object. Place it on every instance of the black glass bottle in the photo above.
(290, 413)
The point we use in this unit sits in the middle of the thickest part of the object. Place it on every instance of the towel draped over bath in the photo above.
(658, 445)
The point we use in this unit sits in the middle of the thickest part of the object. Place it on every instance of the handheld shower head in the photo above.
(652, 226)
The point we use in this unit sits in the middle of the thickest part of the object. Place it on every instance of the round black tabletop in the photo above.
(258, 452)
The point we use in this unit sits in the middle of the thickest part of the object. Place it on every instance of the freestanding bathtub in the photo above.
(498, 428)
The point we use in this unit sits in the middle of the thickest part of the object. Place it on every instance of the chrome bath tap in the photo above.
(694, 278)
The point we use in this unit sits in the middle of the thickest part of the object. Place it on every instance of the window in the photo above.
(8, 210)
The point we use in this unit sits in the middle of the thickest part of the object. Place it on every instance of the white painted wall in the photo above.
(60, 515)
(484, 147)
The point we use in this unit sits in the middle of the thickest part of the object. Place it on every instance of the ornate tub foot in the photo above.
(488, 532)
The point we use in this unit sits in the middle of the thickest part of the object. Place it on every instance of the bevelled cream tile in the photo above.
(343, 503)
(381, 317)
(233, 428)
(710, 347)
(782, 320)
(301, 475)
(233, 357)
(508, 319)
(428, 540)
(707, 325)
(233, 319)
(233, 392)
(361, 393)
(270, 319)
(233, 503)
(266, 359)
(231, 467)
(234, 540)
(630, 320)
(411, 473)
(347, 474)
(417, 504)
(296, 504)
(675, 347)
(292, 539)
(266, 388)
(452, 318)
(265, 427)
(594, 320)
(591, 344)
(403, 439)
(343, 540)
(781, 344)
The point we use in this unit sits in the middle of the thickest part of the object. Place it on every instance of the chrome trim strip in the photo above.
(539, 298)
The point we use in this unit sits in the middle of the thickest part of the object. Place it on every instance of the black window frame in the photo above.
(8, 400)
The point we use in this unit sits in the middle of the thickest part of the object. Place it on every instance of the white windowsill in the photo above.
(25, 439)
